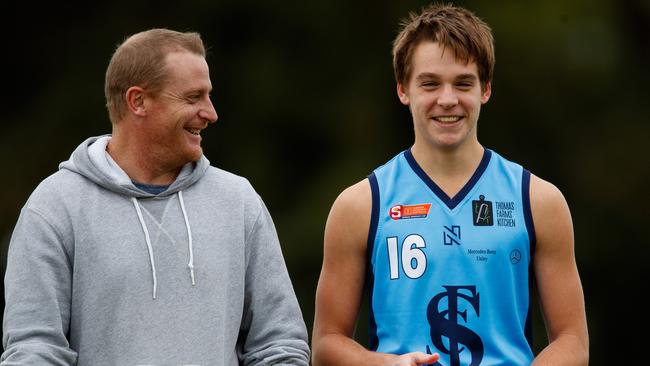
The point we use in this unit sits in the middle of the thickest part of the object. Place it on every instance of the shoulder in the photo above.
(57, 190)
(55, 201)
(551, 216)
(354, 200)
(216, 175)
(545, 197)
(228, 184)
(234, 191)
(349, 219)
(504, 164)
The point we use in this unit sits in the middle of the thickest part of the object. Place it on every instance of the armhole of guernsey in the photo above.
(373, 340)
(528, 215)
(530, 228)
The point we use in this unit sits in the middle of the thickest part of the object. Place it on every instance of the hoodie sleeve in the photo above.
(273, 331)
(37, 295)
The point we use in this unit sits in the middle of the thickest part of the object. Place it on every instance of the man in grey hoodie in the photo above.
(137, 251)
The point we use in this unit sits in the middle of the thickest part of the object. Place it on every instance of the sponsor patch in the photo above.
(399, 212)
(482, 212)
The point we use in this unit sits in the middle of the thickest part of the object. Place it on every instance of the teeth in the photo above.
(194, 131)
(447, 118)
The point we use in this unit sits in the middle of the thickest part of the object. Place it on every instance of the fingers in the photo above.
(416, 359)
(423, 359)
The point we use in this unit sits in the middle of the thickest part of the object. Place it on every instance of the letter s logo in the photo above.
(396, 212)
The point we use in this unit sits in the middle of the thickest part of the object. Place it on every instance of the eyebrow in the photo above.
(469, 77)
(198, 90)
(430, 75)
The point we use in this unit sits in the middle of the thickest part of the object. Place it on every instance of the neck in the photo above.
(449, 168)
(140, 164)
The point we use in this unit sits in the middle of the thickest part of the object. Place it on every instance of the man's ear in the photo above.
(135, 101)
(401, 93)
(486, 92)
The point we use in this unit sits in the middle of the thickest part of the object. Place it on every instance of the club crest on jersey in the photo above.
(482, 212)
(399, 212)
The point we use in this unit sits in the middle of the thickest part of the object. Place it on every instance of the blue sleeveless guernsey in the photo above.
(451, 275)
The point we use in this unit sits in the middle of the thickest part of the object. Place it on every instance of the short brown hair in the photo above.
(140, 60)
(455, 28)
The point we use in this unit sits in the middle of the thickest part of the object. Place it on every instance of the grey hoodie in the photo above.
(100, 272)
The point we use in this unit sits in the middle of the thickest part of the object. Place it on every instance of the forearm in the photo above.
(339, 350)
(273, 323)
(275, 332)
(567, 349)
(37, 296)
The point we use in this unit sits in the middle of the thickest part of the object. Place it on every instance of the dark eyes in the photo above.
(463, 85)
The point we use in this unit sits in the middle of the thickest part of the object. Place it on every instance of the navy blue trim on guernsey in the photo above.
(528, 215)
(530, 228)
(528, 327)
(151, 188)
(458, 198)
(373, 340)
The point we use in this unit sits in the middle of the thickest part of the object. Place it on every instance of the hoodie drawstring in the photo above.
(149, 248)
(190, 265)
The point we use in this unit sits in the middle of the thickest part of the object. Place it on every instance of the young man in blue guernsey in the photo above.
(448, 235)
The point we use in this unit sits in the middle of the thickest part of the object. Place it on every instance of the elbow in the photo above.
(315, 352)
(582, 350)
(318, 352)
(584, 359)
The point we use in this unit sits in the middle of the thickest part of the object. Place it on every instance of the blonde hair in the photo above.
(140, 61)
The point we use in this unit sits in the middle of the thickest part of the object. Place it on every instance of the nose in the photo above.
(208, 112)
(447, 98)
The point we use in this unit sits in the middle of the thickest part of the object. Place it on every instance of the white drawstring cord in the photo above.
(149, 248)
(189, 235)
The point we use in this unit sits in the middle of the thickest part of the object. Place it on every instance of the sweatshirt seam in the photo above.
(255, 224)
(159, 224)
(56, 231)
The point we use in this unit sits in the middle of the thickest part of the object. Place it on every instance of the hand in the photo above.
(415, 359)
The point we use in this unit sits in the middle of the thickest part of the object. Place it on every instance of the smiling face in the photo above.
(445, 96)
(178, 113)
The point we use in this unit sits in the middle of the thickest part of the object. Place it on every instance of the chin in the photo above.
(447, 141)
(194, 155)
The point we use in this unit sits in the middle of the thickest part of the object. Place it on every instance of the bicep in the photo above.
(558, 281)
(340, 286)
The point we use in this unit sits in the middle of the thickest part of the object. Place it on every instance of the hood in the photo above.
(90, 160)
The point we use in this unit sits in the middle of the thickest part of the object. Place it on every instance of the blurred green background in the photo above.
(307, 106)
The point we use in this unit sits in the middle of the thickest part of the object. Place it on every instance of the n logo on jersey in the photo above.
(399, 212)
(482, 212)
(447, 334)
(451, 235)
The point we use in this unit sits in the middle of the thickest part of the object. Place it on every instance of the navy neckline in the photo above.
(151, 188)
(451, 202)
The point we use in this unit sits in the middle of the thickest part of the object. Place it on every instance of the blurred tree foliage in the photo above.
(307, 106)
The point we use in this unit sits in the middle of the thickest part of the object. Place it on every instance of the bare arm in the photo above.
(340, 287)
(556, 272)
